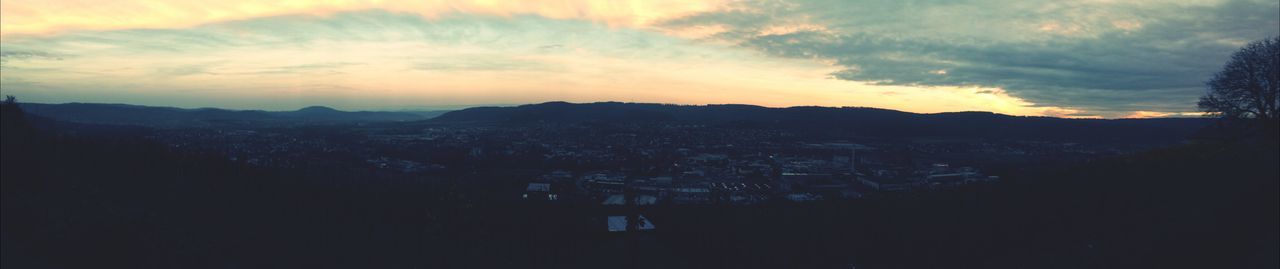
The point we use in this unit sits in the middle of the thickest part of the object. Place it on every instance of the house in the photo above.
(539, 191)
(619, 224)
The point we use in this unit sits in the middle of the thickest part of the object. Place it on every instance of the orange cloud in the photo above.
(26, 17)
(1157, 114)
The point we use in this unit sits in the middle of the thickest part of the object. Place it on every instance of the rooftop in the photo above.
(538, 187)
(619, 224)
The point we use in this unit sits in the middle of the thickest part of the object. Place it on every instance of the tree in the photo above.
(1246, 88)
(10, 113)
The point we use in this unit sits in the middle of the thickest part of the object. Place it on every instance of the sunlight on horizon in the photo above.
(371, 55)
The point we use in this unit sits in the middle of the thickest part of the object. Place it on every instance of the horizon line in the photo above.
(425, 108)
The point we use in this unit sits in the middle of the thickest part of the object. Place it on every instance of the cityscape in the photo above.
(640, 134)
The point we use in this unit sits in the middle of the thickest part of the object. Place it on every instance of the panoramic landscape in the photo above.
(640, 134)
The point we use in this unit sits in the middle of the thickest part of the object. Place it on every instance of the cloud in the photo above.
(6, 56)
(318, 68)
(380, 57)
(551, 47)
(27, 55)
(484, 63)
(45, 17)
(1100, 56)
(1071, 58)
(185, 70)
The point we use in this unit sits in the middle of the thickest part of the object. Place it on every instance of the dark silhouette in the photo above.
(1247, 89)
(75, 201)
(860, 121)
(170, 117)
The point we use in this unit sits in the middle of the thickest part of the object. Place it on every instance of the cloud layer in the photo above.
(1099, 56)
(37, 17)
(1060, 58)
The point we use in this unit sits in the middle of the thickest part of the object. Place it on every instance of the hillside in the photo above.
(170, 117)
(867, 122)
(83, 202)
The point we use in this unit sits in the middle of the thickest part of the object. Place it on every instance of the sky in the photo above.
(1062, 58)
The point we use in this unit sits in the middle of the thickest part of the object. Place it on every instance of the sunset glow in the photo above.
(386, 55)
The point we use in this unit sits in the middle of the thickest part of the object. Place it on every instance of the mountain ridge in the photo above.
(172, 117)
(846, 121)
(863, 121)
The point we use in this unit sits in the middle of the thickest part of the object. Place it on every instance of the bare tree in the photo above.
(1246, 88)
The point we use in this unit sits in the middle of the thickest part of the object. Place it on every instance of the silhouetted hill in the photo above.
(426, 114)
(74, 202)
(169, 117)
(867, 122)
(315, 110)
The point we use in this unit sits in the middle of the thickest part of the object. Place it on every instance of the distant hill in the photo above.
(856, 121)
(866, 122)
(426, 114)
(169, 117)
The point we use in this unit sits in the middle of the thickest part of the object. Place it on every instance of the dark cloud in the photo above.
(6, 56)
(1123, 57)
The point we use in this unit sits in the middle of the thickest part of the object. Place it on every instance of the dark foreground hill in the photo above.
(74, 202)
(170, 117)
(865, 122)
